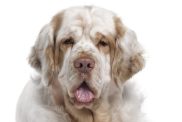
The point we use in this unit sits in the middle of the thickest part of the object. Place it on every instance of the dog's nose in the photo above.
(84, 65)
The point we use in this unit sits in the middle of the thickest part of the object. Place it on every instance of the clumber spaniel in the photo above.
(83, 59)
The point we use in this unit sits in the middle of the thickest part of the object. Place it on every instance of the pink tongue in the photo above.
(84, 95)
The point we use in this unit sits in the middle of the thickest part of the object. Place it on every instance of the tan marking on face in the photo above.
(53, 56)
(50, 56)
(63, 47)
(112, 44)
(58, 55)
(108, 39)
(56, 22)
(119, 27)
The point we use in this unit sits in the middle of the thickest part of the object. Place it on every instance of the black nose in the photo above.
(84, 65)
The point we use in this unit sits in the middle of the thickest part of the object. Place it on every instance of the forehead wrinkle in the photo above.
(88, 21)
(79, 24)
(85, 22)
(75, 32)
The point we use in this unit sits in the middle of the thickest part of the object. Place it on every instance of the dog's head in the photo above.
(86, 49)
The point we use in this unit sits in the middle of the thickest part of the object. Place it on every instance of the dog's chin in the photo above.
(83, 96)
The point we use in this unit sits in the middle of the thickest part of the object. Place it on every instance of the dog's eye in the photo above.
(69, 41)
(102, 43)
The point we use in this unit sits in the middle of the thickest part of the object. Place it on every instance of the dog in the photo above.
(83, 60)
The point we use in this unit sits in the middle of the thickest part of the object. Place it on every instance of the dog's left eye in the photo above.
(69, 41)
(102, 43)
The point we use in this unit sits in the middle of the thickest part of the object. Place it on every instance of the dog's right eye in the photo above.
(103, 43)
(69, 41)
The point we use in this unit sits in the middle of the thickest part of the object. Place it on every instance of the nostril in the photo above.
(81, 65)
(84, 64)
(77, 64)
(90, 65)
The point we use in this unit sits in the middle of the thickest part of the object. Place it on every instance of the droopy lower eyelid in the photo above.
(103, 43)
(69, 41)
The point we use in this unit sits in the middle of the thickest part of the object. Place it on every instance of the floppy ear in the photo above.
(128, 58)
(42, 54)
(46, 56)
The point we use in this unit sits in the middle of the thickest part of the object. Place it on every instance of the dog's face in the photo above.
(86, 44)
(86, 50)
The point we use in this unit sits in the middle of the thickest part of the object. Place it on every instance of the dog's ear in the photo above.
(39, 47)
(46, 56)
(128, 58)
(42, 54)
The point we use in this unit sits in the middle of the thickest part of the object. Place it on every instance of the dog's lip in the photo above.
(91, 90)
(94, 91)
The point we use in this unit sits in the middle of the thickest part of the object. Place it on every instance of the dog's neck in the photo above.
(89, 115)
(99, 112)
(56, 93)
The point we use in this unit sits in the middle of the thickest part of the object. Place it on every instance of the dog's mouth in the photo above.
(83, 94)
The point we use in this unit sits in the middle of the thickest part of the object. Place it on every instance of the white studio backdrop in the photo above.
(158, 24)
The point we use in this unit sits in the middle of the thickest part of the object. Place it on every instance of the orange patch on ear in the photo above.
(34, 60)
(137, 62)
(52, 52)
(54, 59)
(125, 65)
(57, 54)
(56, 23)
(50, 57)
(58, 57)
(119, 27)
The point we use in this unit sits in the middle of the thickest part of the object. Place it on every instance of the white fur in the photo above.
(120, 103)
